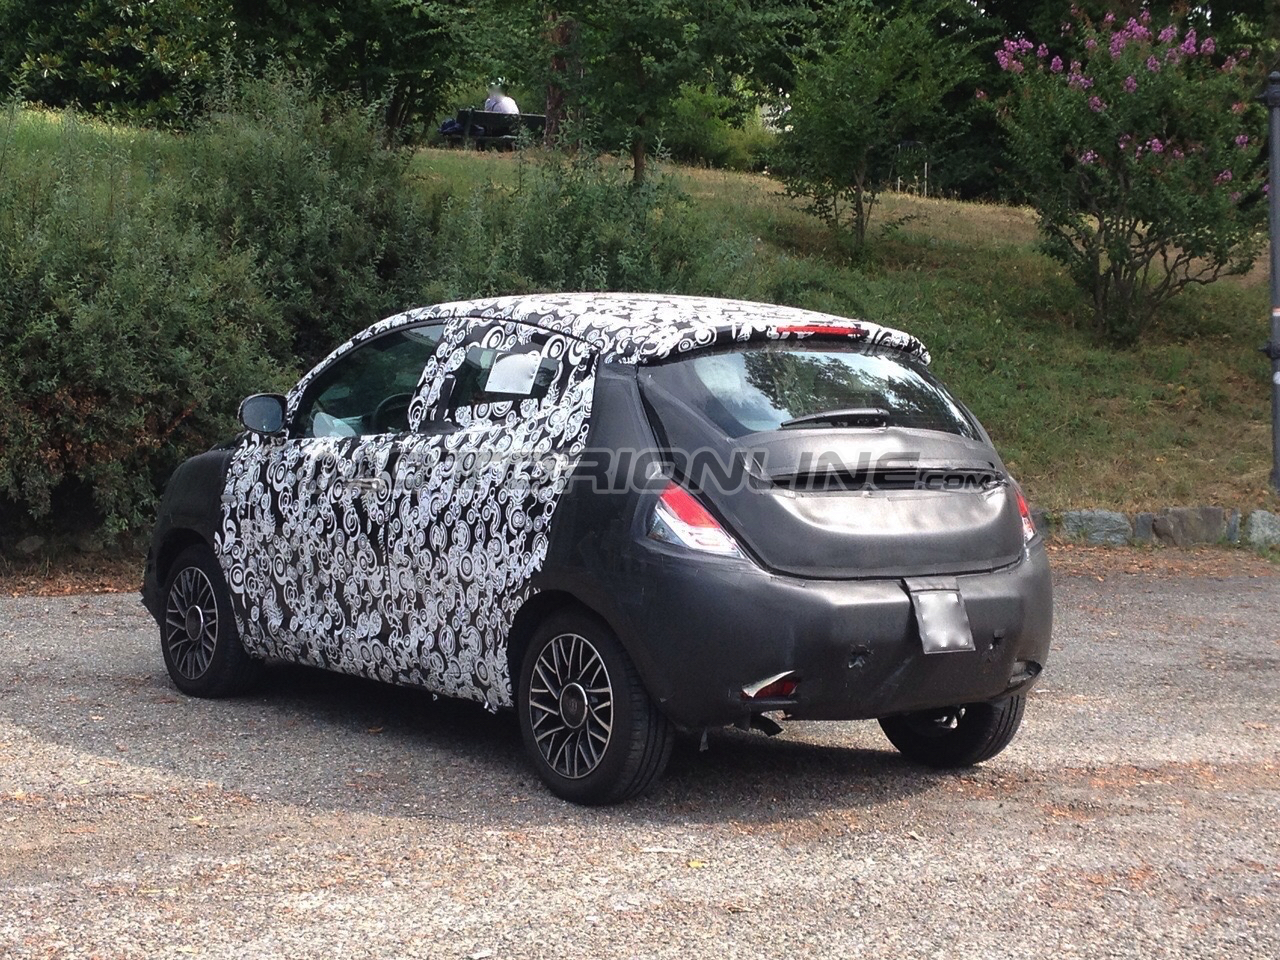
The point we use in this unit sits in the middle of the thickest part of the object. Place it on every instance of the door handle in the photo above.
(372, 484)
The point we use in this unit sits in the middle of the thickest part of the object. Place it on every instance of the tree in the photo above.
(409, 55)
(148, 61)
(632, 58)
(1135, 142)
(883, 81)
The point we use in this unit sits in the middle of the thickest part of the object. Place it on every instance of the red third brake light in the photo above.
(679, 518)
(1028, 525)
(846, 330)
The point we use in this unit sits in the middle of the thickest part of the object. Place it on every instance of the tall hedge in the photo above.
(151, 282)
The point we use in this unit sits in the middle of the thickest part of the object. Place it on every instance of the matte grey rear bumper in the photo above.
(705, 628)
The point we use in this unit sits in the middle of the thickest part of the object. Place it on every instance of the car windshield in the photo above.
(761, 387)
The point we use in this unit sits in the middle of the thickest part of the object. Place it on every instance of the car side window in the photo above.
(491, 375)
(517, 368)
(367, 391)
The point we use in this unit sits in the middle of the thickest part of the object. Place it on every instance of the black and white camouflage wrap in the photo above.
(405, 558)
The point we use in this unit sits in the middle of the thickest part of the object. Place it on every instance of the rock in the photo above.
(1187, 526)
(29, 545)
(1097, 527)
(89, 543)
(1262, 529)
(1233, 527)
(1143, 528)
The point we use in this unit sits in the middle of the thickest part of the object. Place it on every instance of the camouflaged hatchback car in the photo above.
(621, 516)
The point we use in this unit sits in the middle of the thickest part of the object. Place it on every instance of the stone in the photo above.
(1262, 529)
(1143, 528)
(29, 545)
(89, 543)
(1233, 527)
(1187, 526)
(1040, 520)
(1104, 527)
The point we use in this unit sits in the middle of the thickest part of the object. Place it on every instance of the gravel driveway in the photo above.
(1136, 814)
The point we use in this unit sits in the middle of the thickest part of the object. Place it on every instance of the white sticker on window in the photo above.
(513, 373)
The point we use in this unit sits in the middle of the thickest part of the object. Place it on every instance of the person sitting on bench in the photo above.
(498, 101)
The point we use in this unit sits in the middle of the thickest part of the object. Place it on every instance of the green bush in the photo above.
(150, 282)
(305, 186)
(575, 223)
(1136, 143)
(142, 61)
(126, 337)
(706, 127)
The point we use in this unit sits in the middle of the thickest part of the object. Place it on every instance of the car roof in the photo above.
(645, 327)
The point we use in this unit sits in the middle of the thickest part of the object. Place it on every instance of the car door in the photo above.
(304, 533)
(503, 416)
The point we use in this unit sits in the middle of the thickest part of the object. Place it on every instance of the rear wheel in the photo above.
(591, 729)
(956, 736)
(198, 637)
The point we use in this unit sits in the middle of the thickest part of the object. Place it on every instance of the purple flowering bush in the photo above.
(1136, 145)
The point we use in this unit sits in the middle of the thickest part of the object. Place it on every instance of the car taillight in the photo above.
(680, 519)
(1028, 526)
(772, 688)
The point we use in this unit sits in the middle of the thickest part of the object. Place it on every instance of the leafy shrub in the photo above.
(151, 282)
(126, 337)
(141, 61)
(883, 81)
(305, 186)
(710, 128)
(1133, 144)
(575, 223)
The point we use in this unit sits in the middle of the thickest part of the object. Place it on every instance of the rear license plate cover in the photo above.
(941, 616)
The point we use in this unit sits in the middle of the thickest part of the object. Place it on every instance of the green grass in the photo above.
(35, 145)
(1182, 418)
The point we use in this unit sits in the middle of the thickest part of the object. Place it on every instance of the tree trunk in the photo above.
(860, 212)
(638, 159)
(559, 35)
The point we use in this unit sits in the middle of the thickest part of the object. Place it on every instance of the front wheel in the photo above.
(198, 635)
(956, 736)
(593, 732)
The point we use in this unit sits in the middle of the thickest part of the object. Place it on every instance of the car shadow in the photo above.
(479, 755)
(324, 740)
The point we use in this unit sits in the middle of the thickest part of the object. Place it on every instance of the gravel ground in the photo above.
(327, 817)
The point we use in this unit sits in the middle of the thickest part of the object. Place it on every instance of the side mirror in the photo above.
(263, 413)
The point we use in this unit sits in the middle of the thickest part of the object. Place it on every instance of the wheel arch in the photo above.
(545, 603)
(533, 612)
(172, 546)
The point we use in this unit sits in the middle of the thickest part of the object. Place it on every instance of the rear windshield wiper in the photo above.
(857, 417)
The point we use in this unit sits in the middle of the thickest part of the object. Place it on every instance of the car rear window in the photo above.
(760, 387)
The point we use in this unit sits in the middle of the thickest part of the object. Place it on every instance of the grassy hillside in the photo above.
(1181, 419)
(105, 222)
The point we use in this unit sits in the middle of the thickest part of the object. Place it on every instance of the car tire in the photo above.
(592, 731)
(198, 636)
(956, 736)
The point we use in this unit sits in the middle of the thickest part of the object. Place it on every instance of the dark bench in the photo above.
(494, 129)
